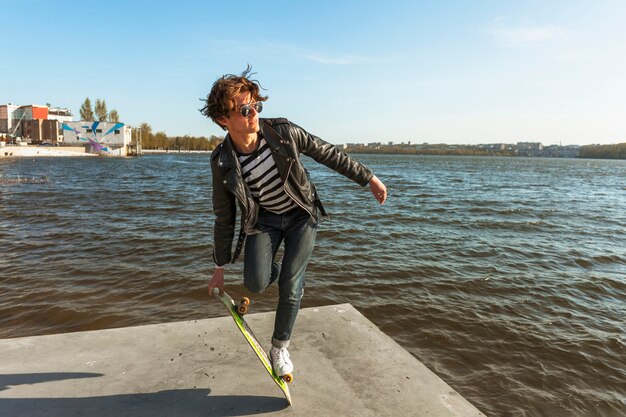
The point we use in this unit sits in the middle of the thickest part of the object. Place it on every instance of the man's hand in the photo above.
(378, 189)
(217, 281)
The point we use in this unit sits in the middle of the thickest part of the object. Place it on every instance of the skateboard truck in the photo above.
(242, 308)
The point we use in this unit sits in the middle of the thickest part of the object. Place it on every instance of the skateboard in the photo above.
(237, 311)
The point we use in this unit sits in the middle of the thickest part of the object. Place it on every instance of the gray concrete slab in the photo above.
(345, 366)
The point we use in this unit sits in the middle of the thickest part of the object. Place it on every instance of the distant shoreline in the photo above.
(158, 151)
(60, 151)
(41, 151)
(532, 150)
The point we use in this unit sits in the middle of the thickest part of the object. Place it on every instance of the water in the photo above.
(505, 276)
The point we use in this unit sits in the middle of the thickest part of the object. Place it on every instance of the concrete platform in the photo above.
(345, 366)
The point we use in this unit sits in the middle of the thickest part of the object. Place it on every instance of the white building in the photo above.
(61, 114)
(103, 138)
(8, 124)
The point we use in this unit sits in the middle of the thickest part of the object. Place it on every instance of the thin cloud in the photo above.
(571, 56)
(343, 60)
(277, 48)
(507, 36)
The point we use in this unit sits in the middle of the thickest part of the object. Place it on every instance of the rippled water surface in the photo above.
(505, 276)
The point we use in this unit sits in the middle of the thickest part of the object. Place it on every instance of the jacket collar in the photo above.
(273, 139)
(228, 156)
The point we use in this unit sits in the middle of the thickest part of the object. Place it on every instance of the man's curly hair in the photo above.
(221, 100)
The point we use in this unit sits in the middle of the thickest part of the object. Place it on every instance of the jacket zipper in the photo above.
(291, 195)
(243, 200)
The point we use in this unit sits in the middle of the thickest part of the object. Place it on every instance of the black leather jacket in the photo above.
(286, 141)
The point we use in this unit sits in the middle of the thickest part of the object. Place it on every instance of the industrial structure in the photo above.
(33, 123)
(45, 125)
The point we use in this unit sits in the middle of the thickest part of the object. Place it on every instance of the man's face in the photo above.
(238, 124)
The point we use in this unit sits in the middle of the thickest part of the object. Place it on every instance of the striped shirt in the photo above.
(261, 174)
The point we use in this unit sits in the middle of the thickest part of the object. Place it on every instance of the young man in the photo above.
(258, 168)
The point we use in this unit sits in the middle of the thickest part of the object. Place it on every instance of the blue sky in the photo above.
(347, 71)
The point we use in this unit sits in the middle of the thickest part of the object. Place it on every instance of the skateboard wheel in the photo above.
(288, 378)
(242, 308)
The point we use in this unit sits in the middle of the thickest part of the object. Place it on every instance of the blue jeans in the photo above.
(298, 230)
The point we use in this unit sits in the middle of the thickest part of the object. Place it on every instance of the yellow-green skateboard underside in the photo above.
(252, 341)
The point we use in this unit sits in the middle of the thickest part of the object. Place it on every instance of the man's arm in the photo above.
(224, 210)
(217, 280)
(378, 189)
(328, 154)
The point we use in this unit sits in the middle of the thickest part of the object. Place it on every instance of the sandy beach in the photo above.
(160, 151)
(41, 151)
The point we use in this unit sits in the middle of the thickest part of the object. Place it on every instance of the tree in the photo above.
(113, 116)
(214, 141)
(85, 111)
(101, 110)
(616, 151)
(147, 141)
(160, 141)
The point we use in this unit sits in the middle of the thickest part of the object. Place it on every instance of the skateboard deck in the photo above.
(234, 310)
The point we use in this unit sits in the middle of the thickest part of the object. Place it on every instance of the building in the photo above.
(8, 119)
(60, 113)
(41, 131)
(33, 123)
(529, 149)
(103, 138)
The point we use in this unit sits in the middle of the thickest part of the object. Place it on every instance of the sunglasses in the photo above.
(246, 109)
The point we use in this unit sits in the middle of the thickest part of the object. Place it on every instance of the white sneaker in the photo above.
(280, 361)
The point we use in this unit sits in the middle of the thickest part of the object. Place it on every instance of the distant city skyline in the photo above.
(355, 71)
